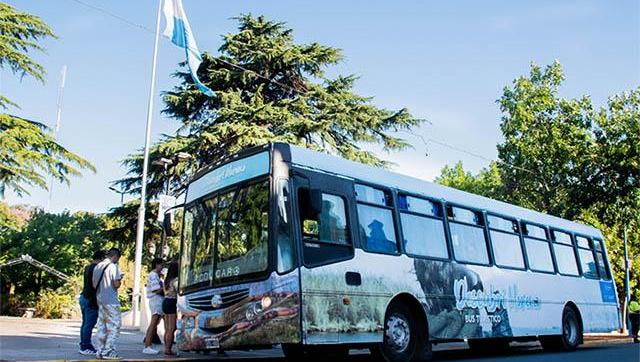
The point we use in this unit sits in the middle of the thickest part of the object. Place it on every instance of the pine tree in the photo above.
(28, 152)
(285, 96)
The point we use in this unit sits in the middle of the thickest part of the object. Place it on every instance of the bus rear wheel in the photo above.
(571, 335)
(403, 339)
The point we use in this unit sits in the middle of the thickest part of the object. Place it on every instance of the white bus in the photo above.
(286, 246)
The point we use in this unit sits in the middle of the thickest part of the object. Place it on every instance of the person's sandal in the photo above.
(170, 353)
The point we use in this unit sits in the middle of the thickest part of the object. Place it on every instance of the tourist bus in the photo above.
(283, 245)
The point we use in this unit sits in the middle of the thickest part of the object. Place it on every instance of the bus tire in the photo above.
(571, 336)
(403, 340)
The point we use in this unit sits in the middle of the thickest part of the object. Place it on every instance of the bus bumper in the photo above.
(241, 316)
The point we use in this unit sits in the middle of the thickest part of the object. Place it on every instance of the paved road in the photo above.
(37, 339)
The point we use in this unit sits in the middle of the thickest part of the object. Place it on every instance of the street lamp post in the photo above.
(166, 163)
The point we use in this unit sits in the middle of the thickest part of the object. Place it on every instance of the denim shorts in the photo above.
(169, 306)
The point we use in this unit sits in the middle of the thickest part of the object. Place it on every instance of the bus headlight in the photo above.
(265, 302)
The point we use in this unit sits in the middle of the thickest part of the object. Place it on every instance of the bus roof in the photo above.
(306, 158)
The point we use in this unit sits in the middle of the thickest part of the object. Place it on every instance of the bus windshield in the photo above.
(226, 236)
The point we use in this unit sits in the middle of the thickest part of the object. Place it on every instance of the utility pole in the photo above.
(627, 297)
(63, 78)
(135, 298)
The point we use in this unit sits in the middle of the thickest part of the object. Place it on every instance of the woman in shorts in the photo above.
(155, 294)
(169, 307)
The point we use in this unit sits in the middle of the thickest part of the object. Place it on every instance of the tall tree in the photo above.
(565, 154)
(568, 158)
(28, 152)
(285, 96)
(486, 183)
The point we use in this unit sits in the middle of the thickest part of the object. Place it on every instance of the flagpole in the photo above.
(63, 77)
(135, 301)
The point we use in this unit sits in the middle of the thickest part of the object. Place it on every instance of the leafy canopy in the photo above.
(568, 158)
(566, 155)
(28, 152)
(487, 182)
(301, 105)
(63, 241)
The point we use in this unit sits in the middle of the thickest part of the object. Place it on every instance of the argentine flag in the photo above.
(179, 31)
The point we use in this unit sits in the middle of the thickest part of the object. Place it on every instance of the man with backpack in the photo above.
(107, 279)
(89, 306)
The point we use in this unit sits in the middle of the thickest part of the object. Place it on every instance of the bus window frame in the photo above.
(605, 256)
(297, 173)
(289, 206)
(549, 245)
(573, 246)
(487, 240)
(393, 208)
(347, 226)
(592, 248)
(525, 261)
(445, 227)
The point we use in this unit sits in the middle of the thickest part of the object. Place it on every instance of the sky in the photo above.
(446, 61)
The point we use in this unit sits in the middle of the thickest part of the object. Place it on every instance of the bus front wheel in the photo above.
(571, 335)
(403, 340)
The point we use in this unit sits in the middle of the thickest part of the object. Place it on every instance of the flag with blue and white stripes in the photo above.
(179, 31)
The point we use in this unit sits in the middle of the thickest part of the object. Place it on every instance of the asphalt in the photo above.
(57, 340)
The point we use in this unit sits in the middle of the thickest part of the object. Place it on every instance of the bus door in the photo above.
(325, 225)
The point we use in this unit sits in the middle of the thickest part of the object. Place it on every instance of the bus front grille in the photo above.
(227, 299)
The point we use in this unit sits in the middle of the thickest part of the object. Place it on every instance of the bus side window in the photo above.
(505, 240)
(565, 253)
(601, 260)
(587, 259)
(422, 227)
(538, 248)
(375, 220)
(467, 235)
(325, 236)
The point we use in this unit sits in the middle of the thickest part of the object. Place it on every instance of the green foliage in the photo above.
(20, 34)
(301, 106)
(8, 221)
(28, 152)
(121, 224)
(565, 154)
(60, 303)
(567, 158)
(487, 182)
(63, 241)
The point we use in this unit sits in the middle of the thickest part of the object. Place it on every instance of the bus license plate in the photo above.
(212, 343)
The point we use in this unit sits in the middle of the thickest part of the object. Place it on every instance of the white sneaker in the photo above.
(149, 350)
(111, 355)
(87, 352)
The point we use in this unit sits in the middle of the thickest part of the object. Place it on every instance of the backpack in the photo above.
(93, 297)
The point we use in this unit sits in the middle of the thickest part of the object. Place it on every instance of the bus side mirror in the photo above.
(315, 202)
(167, 224)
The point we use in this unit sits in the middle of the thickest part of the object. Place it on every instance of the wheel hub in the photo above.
(398, 333)
(570, 330)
